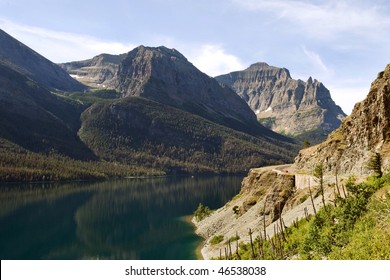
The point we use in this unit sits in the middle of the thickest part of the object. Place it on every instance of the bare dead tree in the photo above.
(260, 245)
(251, 241)
(311, 198)
(264, 226)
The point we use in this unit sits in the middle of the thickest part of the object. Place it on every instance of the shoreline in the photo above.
(198, 249)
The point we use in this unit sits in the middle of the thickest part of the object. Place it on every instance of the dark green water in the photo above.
(124, 219)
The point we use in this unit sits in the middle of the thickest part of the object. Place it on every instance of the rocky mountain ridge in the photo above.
(96, 72)
(269, 192)
(26, 61)
(168, 118)
(166, 76)
(366, 131)
(285, 105)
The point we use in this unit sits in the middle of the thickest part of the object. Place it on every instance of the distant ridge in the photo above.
(362, 134)
(24, 60)
(285, 105)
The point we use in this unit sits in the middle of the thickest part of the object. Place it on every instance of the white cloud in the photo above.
(61, 46)
(325, 19)
(64, 47)
(214, 60)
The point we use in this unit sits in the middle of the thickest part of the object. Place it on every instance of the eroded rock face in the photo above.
(166, 76)
(283, 104)
(264, 193)
(97, 72)
(366, 131)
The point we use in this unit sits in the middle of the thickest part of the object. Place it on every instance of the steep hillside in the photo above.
(159, 115)
(294, 215)
(166, 76)
(24, 60)
(139, 131)
(363, 133)
(35, 119)
(286, 105)
(96, 72)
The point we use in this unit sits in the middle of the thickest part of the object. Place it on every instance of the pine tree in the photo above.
(375, 165)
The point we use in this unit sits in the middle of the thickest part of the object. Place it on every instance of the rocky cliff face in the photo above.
(166, 76)
(366, 131)
(283, 104)
(266, 194)
(95, 72)
(27, 62)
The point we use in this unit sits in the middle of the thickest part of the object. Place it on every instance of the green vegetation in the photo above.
(233, 238)
(216, 239)
(375, 164)
(143, 132)
(20, 165)
(202, 212)
(92, 96)
(267, 122)
(312, 137)
(358, 227)
(306, 144)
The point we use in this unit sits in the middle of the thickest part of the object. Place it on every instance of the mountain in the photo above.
(158, 114)
(24, 60)
(140, 131)
(36, 119)
(285, 105)
(362, 134)
(96, 72)
(173, 117)
(291, 198)
(166, 76)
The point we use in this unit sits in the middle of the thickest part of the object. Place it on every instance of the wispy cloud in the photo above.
(64, 47)
(316, 60)
(61, 46)
(325, 19)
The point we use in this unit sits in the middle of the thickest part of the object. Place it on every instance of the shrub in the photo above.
(202, 212)
(216, 239)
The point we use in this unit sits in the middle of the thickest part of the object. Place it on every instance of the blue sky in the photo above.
(342, 43)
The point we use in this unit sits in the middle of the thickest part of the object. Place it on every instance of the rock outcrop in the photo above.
(286, 105)
(266, 194)
(96, 72)
(365, 132)
(166, 76)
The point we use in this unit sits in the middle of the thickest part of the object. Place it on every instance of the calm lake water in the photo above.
(122, 219)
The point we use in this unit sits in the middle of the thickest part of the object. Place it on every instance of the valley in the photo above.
(314, 176)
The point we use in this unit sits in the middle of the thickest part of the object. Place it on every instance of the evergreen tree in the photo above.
(375, 165)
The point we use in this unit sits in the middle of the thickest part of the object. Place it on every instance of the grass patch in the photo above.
(216, 239)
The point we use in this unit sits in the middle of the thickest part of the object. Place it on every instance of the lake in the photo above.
(121, 219)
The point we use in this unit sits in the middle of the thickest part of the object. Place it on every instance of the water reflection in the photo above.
(124, 219)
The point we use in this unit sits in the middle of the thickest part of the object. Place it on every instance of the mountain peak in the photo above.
(159, 51)
(364, 132)
(28, 62)
(165, 75)
(283, 104)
